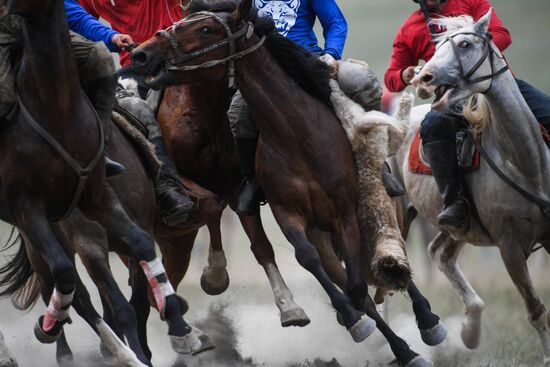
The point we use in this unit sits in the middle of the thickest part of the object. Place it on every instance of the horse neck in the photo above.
(210, 103)
(271, 94)
(514, 135)
(48, 76)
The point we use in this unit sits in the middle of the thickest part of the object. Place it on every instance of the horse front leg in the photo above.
(39, 235)
(111, 215)
(292, 225)
(291, 313)
(431, 329)
(515, 261)
(444, 251)
(214, 279)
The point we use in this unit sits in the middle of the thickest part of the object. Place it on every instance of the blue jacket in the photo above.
(81, 22)
(295, 19)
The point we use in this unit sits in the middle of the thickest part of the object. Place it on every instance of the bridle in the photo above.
(467, 79)
(488, 52)
(176, 63)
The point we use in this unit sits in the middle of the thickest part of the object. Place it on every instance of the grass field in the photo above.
(244, 321)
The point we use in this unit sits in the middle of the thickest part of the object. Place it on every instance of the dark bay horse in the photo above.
(51, 135)
(304, 161)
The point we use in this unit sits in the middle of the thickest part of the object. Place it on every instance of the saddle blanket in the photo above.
(417, 163)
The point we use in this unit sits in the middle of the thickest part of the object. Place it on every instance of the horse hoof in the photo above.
(362, 329)
(471, 335)
(193, 343)
(214, 287)
(294, 317)
(42, 336)
(434, 336)
(418, 361)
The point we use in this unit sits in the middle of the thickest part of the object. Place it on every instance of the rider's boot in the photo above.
(174, 204)
(7, 101)
(251, 193)
(101, 93)
(443, 161)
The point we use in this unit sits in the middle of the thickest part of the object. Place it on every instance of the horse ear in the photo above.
(244, 8)
(482, 25)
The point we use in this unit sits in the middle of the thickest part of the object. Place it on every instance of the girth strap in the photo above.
(544, 204)
(83, 173)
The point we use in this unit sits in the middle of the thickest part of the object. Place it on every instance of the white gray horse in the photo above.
(6, 358)
(512, 139)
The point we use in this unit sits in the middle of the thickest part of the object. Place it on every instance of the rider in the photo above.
(412, 43)
(174, 204)
(294, 20)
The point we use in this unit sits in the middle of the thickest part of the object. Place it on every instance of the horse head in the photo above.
(195, 49)
(464, 63)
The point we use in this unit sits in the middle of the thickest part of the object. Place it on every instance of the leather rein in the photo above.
(467, 78)
(176, 63)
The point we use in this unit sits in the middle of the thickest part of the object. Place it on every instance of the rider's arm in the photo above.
(401, 59)
(501, 36)
(81, 22)
(335, 27)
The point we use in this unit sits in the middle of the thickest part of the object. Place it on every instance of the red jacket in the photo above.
(138, 18)
(413, 40)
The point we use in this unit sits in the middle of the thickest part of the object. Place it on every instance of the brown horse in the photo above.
(304, 161)
(50, 136)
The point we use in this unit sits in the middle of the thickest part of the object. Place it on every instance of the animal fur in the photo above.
(145, 148)
(374, 136)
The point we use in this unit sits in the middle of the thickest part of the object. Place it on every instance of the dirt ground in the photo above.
(244, 322)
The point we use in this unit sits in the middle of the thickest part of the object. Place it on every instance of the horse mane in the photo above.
(451, 25)
(477, 112)
(302, 66)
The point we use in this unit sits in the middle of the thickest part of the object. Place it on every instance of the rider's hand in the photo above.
(332, 64)
(408, 74)
(122, 41)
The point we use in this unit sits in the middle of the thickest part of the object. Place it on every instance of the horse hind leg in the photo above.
(444, 250)
(291, 313)
(515, 261)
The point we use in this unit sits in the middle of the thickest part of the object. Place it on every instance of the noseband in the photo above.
(175, 63)
(487, 52)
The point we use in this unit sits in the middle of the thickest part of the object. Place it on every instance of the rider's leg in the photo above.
(538, 102)
(173, 202)
(438, 133)
(245, 136)
(96, 69)
(10, 34)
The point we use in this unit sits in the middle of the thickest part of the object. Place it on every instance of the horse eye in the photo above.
(206, 30)
(464, 44)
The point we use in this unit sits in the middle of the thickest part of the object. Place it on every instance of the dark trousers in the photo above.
(444, 125)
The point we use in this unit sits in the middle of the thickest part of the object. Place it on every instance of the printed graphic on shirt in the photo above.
(283, 12)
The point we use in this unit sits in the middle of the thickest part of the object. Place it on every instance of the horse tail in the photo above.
(477, 113)
(17, 278)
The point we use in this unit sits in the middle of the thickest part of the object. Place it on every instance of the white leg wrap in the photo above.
(58, 309)
(161, 287)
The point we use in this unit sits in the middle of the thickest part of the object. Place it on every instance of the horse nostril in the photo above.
(139, 58)
(426, 78)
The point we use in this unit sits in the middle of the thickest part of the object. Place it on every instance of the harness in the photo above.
(489, 52)
(83, 173)
(176, 63)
